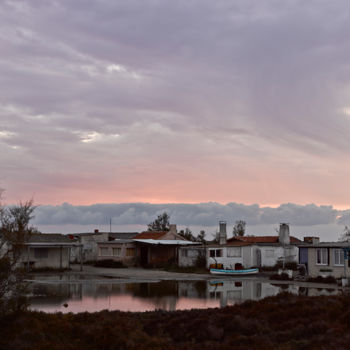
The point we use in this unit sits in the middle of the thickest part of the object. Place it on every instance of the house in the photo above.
(324, 258)
(47, 251)
(121, 250)
(149, 248)
(89, 242)
(160, 248)
(248, 251)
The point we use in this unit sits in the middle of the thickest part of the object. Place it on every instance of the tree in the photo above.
(239, 228)
(201, 237)
(187, 234)
(161, 223)
(345, 237)
(14, 232)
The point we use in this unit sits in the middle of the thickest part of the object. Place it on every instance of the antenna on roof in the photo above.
(110, 225)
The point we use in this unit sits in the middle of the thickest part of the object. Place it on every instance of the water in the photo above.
(79, 294)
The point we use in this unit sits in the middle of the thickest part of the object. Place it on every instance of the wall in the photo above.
(270, 255)
(126, 260)
(314, 269)
(161, 255)
(228, 262)
(188, 255)
(90, 249)
(52, 260)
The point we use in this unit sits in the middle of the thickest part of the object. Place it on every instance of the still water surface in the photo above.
(79, 294)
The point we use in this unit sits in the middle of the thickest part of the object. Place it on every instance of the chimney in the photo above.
(96, 230)
(312, 240)
(172, 229)
(284, 237)
(222, 233)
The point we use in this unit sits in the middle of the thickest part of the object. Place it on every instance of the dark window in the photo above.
(41, 253)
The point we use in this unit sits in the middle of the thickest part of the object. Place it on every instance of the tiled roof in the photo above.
(150, 235)
(50, 238)
(261, 239)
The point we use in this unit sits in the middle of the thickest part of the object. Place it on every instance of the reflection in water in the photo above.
(51, 295)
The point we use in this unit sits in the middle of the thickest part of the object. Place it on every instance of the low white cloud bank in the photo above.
(201, 214)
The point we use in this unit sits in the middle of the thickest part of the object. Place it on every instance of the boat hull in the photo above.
(234, 272)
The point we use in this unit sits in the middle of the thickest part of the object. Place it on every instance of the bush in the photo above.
(281, 277)
(320, 279)
(109, 263)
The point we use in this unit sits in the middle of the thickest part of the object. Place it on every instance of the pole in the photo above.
(110, 225)
(81, 258)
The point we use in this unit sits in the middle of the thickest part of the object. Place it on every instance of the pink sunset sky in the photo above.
(176, 102)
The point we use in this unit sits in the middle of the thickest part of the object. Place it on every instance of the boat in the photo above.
(234, 272)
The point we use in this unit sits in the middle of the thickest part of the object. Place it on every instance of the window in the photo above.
(41, 253)
(184, 253)
(322, 256)
(117, 251)
(104, 251)
(270, 253)
(338, 257)
(215, 253)
(130, 251)
(234, 252)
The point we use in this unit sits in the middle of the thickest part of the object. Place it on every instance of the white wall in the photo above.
(270, 255)
(228, 261)
(51, 261)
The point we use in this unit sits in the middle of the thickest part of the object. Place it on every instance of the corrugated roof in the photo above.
(150, 235)
(166, 241)
(261, 239)
(122, 235)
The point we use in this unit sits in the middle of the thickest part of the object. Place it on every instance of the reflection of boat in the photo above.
(234, 272)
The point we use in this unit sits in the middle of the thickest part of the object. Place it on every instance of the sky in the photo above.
(176, 102)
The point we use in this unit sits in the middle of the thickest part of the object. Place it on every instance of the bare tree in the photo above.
(14, 232)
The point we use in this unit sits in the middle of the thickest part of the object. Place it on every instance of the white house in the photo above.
(248, 251)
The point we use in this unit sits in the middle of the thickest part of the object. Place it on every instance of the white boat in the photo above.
(234, 272)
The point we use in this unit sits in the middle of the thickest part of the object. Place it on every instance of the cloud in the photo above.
(258, 90)
(202, 214)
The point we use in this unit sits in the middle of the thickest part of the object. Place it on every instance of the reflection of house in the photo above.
(235, 292)
(47, 251)
(248, 251)
(324, 259)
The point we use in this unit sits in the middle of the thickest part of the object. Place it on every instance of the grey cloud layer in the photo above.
(206, 214)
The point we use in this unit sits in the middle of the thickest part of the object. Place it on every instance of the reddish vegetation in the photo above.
(283, 322)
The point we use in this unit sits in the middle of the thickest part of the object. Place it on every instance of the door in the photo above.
(144, 256)
(258, 257)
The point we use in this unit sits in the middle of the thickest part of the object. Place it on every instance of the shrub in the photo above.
(281, 277)
(320, 279)
(109, 263)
